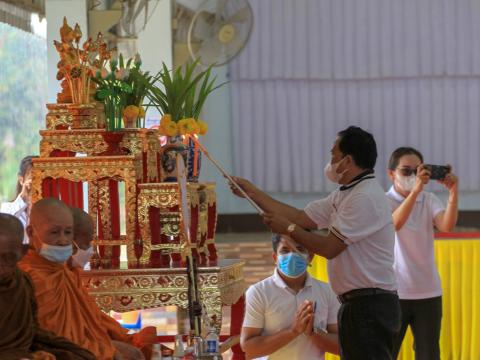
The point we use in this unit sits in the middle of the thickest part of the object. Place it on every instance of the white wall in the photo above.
(55, 10)
(155, 46)
(154, 43)
(406, 70)
(219, 142)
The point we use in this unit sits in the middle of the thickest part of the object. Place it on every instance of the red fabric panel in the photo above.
(65, 190)
(237, 314)
(194, 224)
(115, 220)
(46, 187)
(79, 195)
(458, 235)
(156, 259)
(212, 221)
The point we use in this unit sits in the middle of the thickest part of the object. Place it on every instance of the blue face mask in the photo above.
(54, 253)
(292, 264)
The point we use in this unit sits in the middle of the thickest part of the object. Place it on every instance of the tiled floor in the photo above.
(254, 248)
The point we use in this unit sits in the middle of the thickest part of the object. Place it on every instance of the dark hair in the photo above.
(276, 238)
(25, 165)
(360, 144)
(402, 151)
(12, 227)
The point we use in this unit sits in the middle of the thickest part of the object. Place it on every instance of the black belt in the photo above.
(363, 292)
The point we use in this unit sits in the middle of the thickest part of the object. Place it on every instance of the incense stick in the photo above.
(222, 170)
(254, 204)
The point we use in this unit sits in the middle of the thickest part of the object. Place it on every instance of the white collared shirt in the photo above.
(359, 216)
(417, 275)
(271, 305)
(19, 209)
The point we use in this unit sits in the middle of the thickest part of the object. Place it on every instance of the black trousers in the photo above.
(425, 318)
(368, 327)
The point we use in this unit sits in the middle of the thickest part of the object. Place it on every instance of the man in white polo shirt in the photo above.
(359, 244)
(290, 315)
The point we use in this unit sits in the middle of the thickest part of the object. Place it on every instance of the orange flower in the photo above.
(203, 127)
(193, 127)
(166, 118)
(188, 126)
(183, 126)
(168, 129)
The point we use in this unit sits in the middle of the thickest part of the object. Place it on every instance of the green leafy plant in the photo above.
(123, 89)
(182, 93)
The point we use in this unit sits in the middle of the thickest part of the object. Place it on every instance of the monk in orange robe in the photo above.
(20, 335)
(64, 306)
(82, 239)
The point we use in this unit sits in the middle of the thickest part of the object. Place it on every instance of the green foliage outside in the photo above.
(23, 95)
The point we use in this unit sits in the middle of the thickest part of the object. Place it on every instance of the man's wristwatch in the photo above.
(291, 228)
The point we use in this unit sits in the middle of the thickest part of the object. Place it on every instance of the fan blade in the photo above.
(209, 51)
(241, 15)
(223, 57)
(234, 46)
(202, 30)
(219, 11)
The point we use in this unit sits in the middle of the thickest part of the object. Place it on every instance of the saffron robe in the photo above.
(65, 307)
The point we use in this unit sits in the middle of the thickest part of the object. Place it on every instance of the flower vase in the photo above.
(173, 147)
(113, 140)
(194, 160)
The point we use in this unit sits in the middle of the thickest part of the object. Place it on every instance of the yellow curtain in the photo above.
(458, 262)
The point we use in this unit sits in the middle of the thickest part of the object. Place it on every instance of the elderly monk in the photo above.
(20, 335)
(64, 306)
(82, 238)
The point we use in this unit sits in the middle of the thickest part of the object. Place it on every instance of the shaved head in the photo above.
(11, 228)
(51, 222)
(11, 249)
(43, 208)
(82, 228)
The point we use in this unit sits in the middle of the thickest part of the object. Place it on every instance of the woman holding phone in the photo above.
(20, 206)
(415, 213)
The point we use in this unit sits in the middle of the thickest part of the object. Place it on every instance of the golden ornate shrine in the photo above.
(135, 289)
(75, 160)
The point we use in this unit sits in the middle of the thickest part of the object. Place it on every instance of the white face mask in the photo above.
(405, 183)
(330, 172)
(55, 253)
(82, 257)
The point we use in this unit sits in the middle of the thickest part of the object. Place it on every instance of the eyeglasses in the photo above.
(406, 171)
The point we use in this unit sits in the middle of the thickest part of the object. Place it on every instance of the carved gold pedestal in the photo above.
(134, 289)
